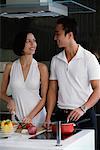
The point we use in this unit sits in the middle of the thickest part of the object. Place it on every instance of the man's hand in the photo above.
(75, 114)
(47, 124)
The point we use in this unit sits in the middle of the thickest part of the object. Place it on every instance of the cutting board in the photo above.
(39, 130)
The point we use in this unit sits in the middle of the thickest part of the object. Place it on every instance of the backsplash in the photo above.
(3, 106)
(7, 55)
(2, 67)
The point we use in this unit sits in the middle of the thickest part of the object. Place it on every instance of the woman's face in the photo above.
(30, 44)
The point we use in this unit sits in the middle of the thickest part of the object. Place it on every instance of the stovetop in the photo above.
(49, 135)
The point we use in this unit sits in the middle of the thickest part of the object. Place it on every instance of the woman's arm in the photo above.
(44, 87)
(4, 85)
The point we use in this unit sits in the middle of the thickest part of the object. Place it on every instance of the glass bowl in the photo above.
(8, 134)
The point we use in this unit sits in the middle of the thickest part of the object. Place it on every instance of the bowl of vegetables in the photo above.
(7, 128)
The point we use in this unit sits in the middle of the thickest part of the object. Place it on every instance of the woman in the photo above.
(25, 76)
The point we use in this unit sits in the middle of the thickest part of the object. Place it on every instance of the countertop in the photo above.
(80, 141)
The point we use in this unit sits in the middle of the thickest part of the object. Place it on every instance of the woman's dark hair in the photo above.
(69, 25)
(19, 42)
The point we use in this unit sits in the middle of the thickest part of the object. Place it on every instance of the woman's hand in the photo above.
(11, 106)
(75, 114)
(27, 119)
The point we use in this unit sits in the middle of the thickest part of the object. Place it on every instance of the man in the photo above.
(74, 78)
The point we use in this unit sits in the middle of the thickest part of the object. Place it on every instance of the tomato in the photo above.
(25, 126)
(28, 125)
(19, 126)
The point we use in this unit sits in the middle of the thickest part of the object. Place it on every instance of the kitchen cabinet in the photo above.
(79, 141)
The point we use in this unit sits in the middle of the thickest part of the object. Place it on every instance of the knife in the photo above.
(16, 118)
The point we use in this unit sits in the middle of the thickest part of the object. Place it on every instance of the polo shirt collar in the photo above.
(80, 52)
(62, 56)
(78, 55)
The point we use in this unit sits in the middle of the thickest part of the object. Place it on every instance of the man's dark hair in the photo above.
(19, 42)
(69, 25)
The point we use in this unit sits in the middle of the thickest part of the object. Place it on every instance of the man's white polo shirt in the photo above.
(74, 77)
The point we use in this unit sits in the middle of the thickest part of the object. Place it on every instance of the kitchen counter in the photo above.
(79, 141)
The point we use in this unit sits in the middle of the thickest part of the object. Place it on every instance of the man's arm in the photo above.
(95, 96)
(51, 98)
(92, 100)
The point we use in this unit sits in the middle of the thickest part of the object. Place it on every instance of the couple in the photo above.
(74, 81)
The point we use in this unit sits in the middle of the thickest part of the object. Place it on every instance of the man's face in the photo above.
(60, 37)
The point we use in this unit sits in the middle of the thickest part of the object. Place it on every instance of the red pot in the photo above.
(65, 128)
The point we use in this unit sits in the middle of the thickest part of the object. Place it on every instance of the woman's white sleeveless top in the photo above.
(26, 93)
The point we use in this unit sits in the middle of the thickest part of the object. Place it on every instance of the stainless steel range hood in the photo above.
(30, 8)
